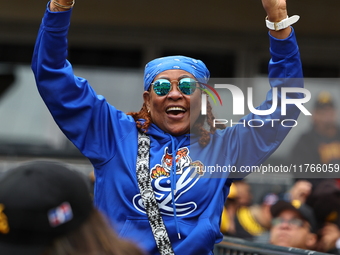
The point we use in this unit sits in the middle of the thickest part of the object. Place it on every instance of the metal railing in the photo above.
(236, 246)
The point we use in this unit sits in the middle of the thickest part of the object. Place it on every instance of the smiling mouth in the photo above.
(175, 110)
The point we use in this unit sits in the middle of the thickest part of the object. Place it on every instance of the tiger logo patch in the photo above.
(183, 161)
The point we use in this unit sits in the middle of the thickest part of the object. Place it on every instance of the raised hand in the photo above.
(276, 9)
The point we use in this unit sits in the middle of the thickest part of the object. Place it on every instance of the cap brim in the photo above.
(18, 249)
(280, 206)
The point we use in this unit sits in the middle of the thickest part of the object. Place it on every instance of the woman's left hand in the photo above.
(276, 11)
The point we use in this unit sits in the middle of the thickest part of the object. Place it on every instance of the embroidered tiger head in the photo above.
(182, 160)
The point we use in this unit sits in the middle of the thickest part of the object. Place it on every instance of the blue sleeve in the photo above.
(251, 146)
(86, 118)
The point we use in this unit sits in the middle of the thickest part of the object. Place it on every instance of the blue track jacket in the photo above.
(108, 138)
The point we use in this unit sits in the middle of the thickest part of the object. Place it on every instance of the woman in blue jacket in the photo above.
(180, 150)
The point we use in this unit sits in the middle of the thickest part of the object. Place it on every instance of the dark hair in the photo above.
(93, 237)
(198, 127)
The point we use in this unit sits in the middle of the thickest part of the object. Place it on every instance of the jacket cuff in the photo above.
(283, 47)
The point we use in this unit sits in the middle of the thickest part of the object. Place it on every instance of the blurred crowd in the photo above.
(307, 215)
(285, 219)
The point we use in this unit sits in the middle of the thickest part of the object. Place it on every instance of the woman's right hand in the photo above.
(61, 5)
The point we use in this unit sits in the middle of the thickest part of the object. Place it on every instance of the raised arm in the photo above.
(84, 117)
(253, 145)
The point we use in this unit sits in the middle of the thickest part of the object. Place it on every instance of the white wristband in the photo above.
(283, 23)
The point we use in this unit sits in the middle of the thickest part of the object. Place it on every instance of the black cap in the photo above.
(303, 210)
(324, 100)
(40, 200)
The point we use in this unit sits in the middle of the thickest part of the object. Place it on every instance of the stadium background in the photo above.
(110, 41)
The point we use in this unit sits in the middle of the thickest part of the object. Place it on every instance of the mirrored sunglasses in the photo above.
(162, 87)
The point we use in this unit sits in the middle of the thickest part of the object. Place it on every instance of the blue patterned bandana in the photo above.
(193, 66)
